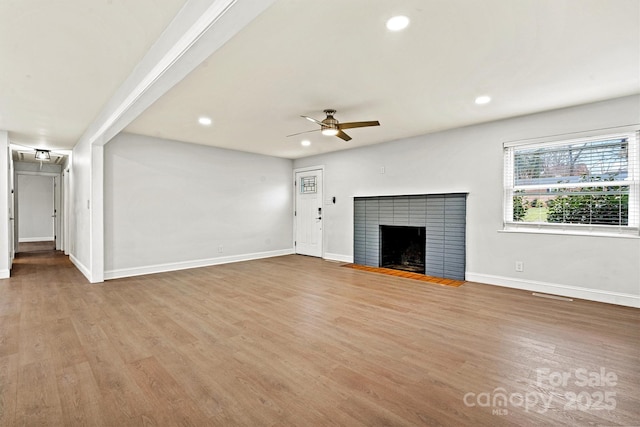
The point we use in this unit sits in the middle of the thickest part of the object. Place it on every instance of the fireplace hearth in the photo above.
(403, 248)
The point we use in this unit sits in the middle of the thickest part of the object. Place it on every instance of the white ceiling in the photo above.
(60, 62)
(302, 56)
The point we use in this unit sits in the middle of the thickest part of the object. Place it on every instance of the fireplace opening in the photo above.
(403, 248)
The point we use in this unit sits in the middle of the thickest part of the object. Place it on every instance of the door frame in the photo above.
(59, 208)
(295, 203)
(12, 209)
(66, 200)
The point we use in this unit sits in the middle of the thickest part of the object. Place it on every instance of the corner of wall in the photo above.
(80, 266)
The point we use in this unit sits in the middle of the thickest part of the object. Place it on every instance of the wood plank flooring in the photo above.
(298, 341)
(47, 245)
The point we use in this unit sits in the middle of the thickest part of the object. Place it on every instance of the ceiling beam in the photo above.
(200, 28)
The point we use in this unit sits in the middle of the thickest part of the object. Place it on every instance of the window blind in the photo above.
(583, 182)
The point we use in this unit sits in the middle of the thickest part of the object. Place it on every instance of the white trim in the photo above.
(36, 173)
(629, 300)
(307, 169)
(96, 213)
(510, 189)
(4, 274)
(60, 213)
(66, 209)
(574, 136)
(80, 266)
(567, 230)
(338, 257)
(35, 239)
(183, 265)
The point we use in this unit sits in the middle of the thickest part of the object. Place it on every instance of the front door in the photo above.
(308, 213)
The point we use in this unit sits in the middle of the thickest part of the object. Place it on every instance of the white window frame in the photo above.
(632, 180)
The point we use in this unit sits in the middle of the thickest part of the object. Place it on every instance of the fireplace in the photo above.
(403, 248)
(437, 219)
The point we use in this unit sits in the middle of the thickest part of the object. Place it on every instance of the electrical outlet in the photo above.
(220, 249)
(519, 266)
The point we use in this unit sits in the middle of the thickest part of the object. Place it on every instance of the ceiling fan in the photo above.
(330, 126)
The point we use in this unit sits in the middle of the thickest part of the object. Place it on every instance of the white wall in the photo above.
(171, 205)
(80, 236)
(470, 160)
(35, 208)
(5, 192)
(36, 168)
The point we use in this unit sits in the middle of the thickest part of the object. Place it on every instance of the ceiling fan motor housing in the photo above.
(330, 121)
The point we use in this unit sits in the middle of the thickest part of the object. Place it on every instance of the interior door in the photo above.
(65, 212)
(12, 239)
(57, 224)
(308, 213)
(11, 226)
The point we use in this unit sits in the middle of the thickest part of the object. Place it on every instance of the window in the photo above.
(308, 184)
(582, 185)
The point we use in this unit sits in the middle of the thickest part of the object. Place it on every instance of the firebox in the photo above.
(403, 248)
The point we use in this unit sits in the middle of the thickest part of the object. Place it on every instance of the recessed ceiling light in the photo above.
(397, 23)
(306, 143)
(484, 99)
(204, 121)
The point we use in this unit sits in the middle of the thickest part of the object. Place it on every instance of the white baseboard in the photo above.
(183, 265)
(36, 239)
(629, 300)
(80, 266)
(5, 274)
(338, 257)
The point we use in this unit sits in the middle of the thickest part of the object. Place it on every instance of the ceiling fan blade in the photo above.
(343, 135)
(306, 131)
(313, 120)
(352, 125)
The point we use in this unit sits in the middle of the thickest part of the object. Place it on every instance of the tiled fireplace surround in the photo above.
(442, 215)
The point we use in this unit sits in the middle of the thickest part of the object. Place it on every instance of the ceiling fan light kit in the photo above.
(329, 131)
(330, 126)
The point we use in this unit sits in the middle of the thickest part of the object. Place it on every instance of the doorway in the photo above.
(36, 211)
(308, 215)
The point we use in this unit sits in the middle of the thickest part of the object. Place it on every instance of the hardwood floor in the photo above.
(299, 341)
(47, 245)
